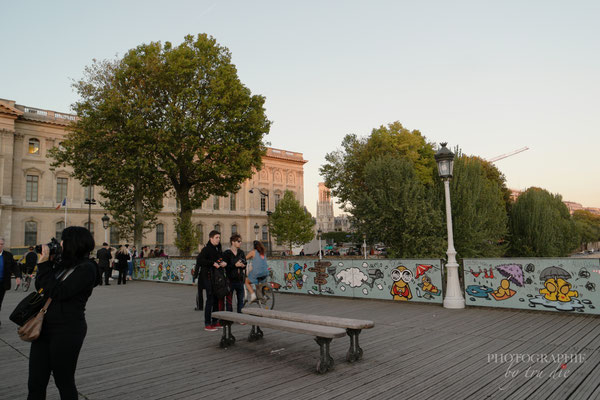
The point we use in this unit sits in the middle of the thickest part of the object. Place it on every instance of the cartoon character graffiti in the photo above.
(512, 273)
(159, 272)
(557, 291)
(294, 277)
(401, 276)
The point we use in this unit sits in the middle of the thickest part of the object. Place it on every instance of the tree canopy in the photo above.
(541, 226)
(291, 224)
(197, 130)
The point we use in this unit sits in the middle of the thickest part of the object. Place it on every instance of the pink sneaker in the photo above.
(210, 328)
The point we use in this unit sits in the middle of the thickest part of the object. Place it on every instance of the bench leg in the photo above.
(255, 334)
(355, 352)
(227, 339)
(325, 362)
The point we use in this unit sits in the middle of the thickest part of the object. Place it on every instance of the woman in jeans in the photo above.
(69, 282)
(236, 272)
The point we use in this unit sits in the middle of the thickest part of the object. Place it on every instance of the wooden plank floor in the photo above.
(145, 341)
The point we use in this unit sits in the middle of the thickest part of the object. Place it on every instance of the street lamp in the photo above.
(256, 228)
(90, 201)
(365, 245)
(453, 297)
(268, 217)
(105, 221)
(319, 233)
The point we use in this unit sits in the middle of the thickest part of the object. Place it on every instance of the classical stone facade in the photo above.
(325, 218)
(30, 191)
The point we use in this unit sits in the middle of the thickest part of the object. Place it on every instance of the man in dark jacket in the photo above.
(30, 261)
(103, 255)
(209, 261)
(8, 266)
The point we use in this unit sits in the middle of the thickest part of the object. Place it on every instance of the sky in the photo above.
(487, 76)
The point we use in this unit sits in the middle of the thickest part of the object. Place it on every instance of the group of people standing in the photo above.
(122, 261)
(230, 264)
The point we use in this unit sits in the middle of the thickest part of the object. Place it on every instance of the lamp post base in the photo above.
(453, 297)
(454, 302)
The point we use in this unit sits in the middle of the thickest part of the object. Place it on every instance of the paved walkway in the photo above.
(145, 341)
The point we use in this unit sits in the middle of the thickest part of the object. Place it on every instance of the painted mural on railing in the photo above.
(401, 280)
(548, 284)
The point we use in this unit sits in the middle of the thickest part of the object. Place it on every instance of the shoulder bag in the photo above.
(32, 329)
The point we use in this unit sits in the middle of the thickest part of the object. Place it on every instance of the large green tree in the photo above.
(541, 226)
(588, 226)
(291, 224)
(396, 209)
(107, 146)
(203, 129)
(480, 222)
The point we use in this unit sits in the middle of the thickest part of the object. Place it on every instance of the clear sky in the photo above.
(488, 76)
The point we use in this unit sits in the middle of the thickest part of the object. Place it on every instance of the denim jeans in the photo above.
(238, 289)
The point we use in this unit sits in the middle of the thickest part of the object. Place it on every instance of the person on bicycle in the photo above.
(236, 272)
(31, 260)
(260, 269)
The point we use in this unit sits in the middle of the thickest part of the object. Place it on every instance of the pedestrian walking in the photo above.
(103, 255)
(8, 267)
(122, 258)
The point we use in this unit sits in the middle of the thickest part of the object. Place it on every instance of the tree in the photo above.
(106, 147)
(396, 209)
(201, 128)
(541, 226)
(344, 169)
(480, 222)
(588, 226)
(291, 224)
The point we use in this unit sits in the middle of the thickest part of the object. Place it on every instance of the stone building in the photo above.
(325, 218)
(30, 191)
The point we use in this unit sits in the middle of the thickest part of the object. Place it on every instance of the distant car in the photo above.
(590, 251)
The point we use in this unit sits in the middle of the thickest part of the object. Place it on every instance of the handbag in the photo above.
(32, 329)
(27, 308)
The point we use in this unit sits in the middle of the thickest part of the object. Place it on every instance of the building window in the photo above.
(218, 228)
(89, 227)
(160, 234)
(114, 236)
(233, 229)
(60, 226)
(34, 147)
(232, 201)
(61, 189)
(30, 233)
(263, 202)
(215, 202)
(200, 232)
(265, 233)
(277, 198)
(88, 192)
(32, 188)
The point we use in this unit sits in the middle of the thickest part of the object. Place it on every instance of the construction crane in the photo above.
(512, 153)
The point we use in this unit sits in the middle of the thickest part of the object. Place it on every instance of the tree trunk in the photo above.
(138, 228)
(185, 224)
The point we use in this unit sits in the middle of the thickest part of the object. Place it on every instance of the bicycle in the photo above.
(265, 294)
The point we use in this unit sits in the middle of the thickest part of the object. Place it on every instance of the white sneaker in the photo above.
(252, 297)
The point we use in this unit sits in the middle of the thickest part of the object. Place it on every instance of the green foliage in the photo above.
(588, 226)
(187, 237)
(396, 209)
(344, 169)
(196, 129)
(541, 226)
(291, 224)
(479, 216)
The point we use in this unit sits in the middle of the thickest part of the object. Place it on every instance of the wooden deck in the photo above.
(145, 341)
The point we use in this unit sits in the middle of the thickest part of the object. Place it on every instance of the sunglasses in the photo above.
(238, 241)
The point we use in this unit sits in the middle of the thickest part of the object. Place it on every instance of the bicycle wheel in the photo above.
(268, 297)
(26, 283)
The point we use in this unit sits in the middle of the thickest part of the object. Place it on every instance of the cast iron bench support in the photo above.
(355, 352)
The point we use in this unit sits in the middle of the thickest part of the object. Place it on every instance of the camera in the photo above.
(54, 247)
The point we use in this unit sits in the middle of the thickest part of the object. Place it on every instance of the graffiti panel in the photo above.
(402, 280)
(547, 284)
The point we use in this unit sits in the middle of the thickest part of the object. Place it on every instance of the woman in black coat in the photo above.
(69, 283)
(123, 258)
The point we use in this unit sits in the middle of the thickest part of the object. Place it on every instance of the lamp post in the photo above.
(453, 297)
(256, 228)
(90, 201)
(365, 245)
(268, 217)
(319, 233)
(105, 221)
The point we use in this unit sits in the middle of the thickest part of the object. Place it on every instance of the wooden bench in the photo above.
(352, 326)
(323, 334)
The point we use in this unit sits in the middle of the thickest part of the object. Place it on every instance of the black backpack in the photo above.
(220, 284)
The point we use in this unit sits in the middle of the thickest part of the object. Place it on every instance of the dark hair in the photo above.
(235, 237)
(30, 248)
(259, 247)
(104, 244)
(213, 233)
(78, 242)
